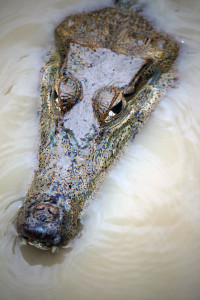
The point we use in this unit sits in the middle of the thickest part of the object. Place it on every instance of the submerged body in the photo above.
(109, 70)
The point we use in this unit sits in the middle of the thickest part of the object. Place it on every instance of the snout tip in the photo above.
(43, 225)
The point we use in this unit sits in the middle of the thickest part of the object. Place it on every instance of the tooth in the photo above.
(24, 241)
(54, 249)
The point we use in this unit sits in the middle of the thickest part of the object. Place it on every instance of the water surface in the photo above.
(141, 235)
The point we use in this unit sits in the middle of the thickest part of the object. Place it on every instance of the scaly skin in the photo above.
(109, 70)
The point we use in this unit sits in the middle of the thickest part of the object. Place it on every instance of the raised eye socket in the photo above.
(108, 104)
(67, 91)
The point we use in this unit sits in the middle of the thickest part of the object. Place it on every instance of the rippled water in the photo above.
(141, 235)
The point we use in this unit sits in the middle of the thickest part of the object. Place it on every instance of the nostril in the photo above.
(39, 208)
(45, 212)
(52, 211)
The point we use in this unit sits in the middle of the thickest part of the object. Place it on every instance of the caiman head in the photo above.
(97, 90)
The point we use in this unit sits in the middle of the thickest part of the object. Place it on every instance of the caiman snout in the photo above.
(44, 224)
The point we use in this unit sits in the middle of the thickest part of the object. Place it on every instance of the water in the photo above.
(141, 236)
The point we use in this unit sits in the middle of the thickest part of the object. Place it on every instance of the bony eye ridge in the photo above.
(68, 90)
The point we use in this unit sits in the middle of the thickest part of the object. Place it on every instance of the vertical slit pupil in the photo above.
(117, 108)
(55, 94)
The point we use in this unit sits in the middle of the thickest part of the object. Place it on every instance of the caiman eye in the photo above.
(67, 91)
(108, 103)
(139, 80)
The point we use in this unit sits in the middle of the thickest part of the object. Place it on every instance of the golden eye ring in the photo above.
(68, 90)
(108, 103)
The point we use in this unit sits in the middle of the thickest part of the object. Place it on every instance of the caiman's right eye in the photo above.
(67, 91)
(108, 104)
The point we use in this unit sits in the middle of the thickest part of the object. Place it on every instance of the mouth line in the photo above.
(39, 244)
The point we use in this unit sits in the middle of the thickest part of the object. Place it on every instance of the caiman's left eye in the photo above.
(108, 103)
(67, 91)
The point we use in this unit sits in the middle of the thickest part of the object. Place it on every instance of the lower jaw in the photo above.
(40, 245)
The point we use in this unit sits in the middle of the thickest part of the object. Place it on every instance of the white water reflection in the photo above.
(141, 236)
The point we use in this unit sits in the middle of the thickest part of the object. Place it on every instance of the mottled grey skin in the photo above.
(109, 69)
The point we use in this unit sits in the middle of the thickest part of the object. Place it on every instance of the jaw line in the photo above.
(40, 245)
